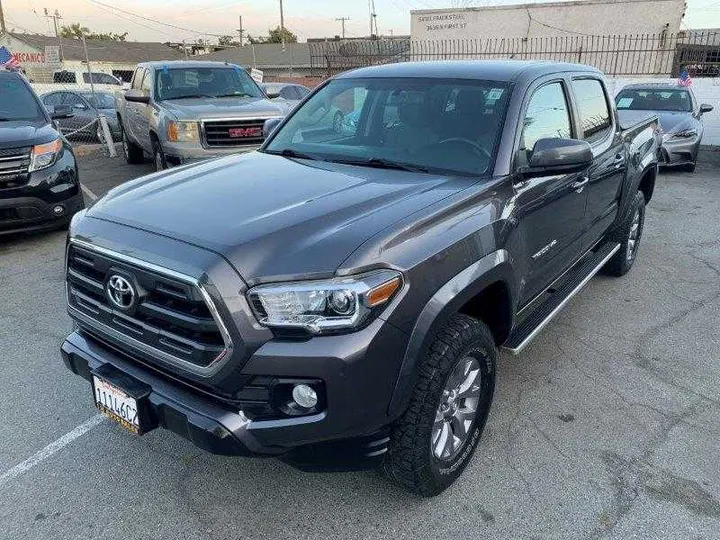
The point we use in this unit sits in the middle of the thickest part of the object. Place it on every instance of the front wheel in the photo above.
(159, 156)
(628, 235)
(132, 152)
(432, 443)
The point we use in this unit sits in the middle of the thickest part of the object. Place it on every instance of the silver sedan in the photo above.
(681, 118)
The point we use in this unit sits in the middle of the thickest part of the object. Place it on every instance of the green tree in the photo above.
(228, 41)
(275, 36)
(77, 31)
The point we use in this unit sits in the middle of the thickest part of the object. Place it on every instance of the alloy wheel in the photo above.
(633, 236)
(457, 409)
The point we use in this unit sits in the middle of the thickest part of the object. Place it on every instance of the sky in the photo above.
(306, 18)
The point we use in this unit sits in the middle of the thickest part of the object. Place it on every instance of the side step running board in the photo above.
(572, 284)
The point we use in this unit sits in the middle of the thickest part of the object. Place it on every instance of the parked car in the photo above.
(293, 94)
(86, 107)
(336, 299)
(83, 76)
(178, 112)
(39, 185)
(680, 114)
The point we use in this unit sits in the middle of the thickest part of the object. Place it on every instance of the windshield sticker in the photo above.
(191, 78)
(494, 94)
(624, 103)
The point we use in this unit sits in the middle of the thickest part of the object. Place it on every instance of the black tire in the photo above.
(411, 460)
(623, 260)
(690, 167)
(133, 153)
(158, 156)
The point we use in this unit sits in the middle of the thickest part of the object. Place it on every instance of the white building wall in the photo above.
(593, 17)
(706, 91)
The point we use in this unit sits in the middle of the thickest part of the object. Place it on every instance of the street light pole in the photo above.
(282, 25)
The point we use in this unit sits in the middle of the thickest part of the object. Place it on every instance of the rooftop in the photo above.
(126, 52)
(264, 55)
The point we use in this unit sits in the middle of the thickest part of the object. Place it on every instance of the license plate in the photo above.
(116, 404)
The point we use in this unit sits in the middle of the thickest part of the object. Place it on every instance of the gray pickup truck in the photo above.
(179, 112)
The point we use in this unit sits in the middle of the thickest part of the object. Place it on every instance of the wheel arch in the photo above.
(647, 182)
(489, 279)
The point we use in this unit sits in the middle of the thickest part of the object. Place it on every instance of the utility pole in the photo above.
(2, 20)
(342, 21)
(373, 18)
(55, 17)
(240, 30)
(282, 25)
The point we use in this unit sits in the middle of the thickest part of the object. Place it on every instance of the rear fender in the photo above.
(446, 302)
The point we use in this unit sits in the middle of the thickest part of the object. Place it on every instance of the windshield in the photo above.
(101, 101)
(650, 99)
(179, 83)
(17, 102)
(423, 124)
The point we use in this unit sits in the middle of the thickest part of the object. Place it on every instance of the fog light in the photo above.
(58, 209)
(304, 396)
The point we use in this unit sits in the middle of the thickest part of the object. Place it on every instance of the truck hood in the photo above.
(227, 107)
(25, 133)
(272, 217)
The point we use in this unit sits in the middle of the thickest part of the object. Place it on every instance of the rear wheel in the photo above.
(133, 153)
(628, 235)
(432, 443)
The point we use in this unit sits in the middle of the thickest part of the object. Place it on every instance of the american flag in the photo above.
(684, 79)
(7, 59)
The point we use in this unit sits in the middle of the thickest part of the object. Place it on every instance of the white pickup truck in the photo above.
(185, 111)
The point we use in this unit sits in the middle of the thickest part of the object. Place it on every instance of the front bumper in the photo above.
(679, 151)
(350, 433)
(181, 153)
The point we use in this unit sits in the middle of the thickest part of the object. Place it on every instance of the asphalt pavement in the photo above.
(607, 426)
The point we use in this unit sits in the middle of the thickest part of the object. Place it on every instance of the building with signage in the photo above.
(580, 17)
(41, 56)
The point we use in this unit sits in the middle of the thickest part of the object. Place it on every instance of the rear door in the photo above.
(551, 208)
(598, 126)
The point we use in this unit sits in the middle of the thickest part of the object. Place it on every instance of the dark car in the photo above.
(337, 298)
(292, 93)
(86, 107)
(680, 115)
(39, 186)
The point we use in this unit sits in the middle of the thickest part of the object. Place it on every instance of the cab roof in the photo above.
(492, 70)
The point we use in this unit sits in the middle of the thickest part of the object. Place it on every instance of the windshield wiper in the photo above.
(383, 163)
(240, 94)
(290, 153)
(189, 96)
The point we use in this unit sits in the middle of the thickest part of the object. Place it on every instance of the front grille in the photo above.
(14, 165)
(169, 320)
(231, 133)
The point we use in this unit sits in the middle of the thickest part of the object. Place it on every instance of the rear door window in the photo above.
(593, 109)
(546, 117)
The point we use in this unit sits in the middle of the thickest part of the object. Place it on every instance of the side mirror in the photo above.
(270, 125)
(556, 156)
(705, 108)
(62, 111)
(136, 96)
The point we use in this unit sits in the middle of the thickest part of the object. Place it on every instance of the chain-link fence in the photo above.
(662, 54)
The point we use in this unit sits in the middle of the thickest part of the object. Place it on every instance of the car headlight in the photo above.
(324, 306)
(43, 156)
(685, 134)
(183, 131)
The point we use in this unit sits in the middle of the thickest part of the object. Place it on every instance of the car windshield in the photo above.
(654, 99)
(179, 83)
(101, 100)
(417, 124)
(17, 102)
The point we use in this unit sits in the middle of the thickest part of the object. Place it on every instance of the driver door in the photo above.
(550, 209)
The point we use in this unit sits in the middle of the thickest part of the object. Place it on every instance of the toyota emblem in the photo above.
(120, 292)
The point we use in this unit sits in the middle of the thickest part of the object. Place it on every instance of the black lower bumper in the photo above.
(218, 429)
(26, 214)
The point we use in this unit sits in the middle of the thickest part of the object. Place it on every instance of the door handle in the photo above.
(580, 184)
(619, 161)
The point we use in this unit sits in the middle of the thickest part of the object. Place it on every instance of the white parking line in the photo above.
(89, 193)
(50, 449)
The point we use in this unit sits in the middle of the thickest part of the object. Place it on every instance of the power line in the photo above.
(135, 22)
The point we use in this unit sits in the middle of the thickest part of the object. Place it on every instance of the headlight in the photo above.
(183, 132)
(324, 306)
(44, 155)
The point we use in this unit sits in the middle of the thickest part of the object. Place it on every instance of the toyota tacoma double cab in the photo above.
(337, 298)
(184, 111)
